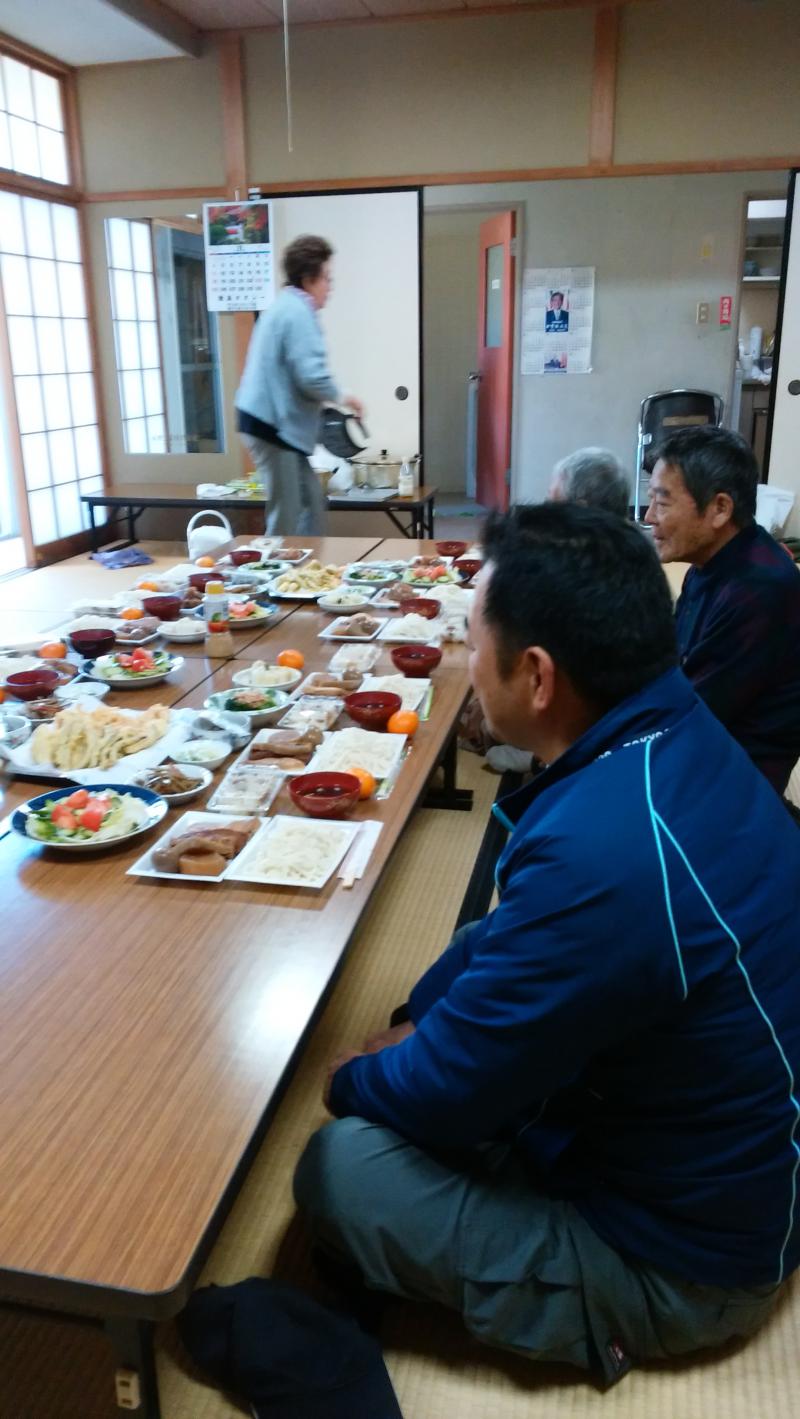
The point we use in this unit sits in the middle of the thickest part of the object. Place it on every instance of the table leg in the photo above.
(406, 531)
(449, 795)
(431, 509)
(93, 542)
(136, 1378)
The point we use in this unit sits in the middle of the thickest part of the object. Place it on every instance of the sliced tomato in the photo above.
(98, 802)
(92, 818)
(124, 661)
(78, 799)
(63, 817)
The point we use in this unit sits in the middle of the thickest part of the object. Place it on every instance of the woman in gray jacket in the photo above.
(286, 382)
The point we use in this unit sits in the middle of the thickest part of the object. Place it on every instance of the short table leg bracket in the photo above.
(449, 795)
(136, 1379)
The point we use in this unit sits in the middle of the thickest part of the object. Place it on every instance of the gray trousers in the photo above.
(297, 505)
(525, 1270)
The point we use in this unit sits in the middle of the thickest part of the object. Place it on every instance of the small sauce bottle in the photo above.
(219, 641)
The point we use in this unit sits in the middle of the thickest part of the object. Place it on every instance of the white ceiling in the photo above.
(92, 31)
(115, 31)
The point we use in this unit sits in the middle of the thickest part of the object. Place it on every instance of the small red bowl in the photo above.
(166, 608)
(241, 555)
(421, 606)
(416, 661)
(201, 579)
(92, 643)
(468, 567)
(325, 795)
(32, 684)
(451, 549)
(372, 708)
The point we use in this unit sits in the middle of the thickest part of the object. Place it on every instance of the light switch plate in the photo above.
(702, 312)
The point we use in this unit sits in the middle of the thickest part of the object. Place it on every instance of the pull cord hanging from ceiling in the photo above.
(288, 75)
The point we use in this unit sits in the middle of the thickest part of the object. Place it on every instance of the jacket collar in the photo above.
(650, 713)
(726, 559)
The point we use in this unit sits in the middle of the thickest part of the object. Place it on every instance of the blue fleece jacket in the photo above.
(286, 377)
(630, 1012)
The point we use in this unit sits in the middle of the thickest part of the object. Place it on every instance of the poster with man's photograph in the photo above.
(556, 317)
(557, 320)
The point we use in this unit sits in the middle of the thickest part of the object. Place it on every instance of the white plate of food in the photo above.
(248, 788)
(246, 612)
(359, 748)
(327, 684)
(85, 819)
(294, 852)
(345, 598)
(354, 657)
(261, 676)
(288, 750)
(91, 743)
(306, 583)
(260, 706)
(431, 577)
(390, 597)
(293, 555)
(178, 783)
(135, 669)
(359, 627)
(411, 629)
(204, 753)
(370, 574)
(187, 630)
(200, 847)
(413, 693)
(310, 711)
(140, 632)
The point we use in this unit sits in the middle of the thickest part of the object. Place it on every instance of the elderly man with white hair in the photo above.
(594, 477)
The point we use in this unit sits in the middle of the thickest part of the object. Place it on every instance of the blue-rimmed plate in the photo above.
(150, 812)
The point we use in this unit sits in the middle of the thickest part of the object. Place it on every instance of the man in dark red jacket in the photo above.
(738, 615)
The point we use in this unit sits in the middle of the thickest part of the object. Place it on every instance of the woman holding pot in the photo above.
(286, 382)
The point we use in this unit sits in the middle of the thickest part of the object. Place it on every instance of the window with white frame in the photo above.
(136, 337)
(32, 136)
(51, 361)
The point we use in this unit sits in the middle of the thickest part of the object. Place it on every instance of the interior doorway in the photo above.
(454, 296)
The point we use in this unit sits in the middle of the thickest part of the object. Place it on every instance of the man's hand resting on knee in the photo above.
(392, 1036)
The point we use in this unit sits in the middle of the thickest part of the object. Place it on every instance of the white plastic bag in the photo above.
(773, 506)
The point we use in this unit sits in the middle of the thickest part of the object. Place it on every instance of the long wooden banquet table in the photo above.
(149, 1027)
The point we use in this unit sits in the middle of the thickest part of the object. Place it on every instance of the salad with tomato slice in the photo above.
(245, 611)
(139, 664)
(86, 816)
(430, 576)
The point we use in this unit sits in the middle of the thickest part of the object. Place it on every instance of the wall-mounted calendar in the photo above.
(239, 256)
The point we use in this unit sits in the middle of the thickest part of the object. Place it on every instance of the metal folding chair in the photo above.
(659, 416)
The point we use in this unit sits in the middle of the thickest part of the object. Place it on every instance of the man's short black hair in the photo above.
(588, 588)
(711, 461)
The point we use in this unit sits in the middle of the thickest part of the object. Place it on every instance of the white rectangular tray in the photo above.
(330, 632)
(273, 781)
(365, 655)
(360, 755)
(272, 588)
(246, 755)
(413, 693)
(243, 868)
(143, 866)
(390, 632)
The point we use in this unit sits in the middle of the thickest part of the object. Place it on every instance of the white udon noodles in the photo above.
(299, 852)
(358, 748)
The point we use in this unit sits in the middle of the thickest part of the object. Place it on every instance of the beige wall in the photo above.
(645, 238)
(433, 97)
(152, 125)
(708, 79)
(696, 81)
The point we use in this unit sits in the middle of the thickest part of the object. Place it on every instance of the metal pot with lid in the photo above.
(383, 472)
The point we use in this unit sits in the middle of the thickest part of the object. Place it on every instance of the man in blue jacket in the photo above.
(584, 1136)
